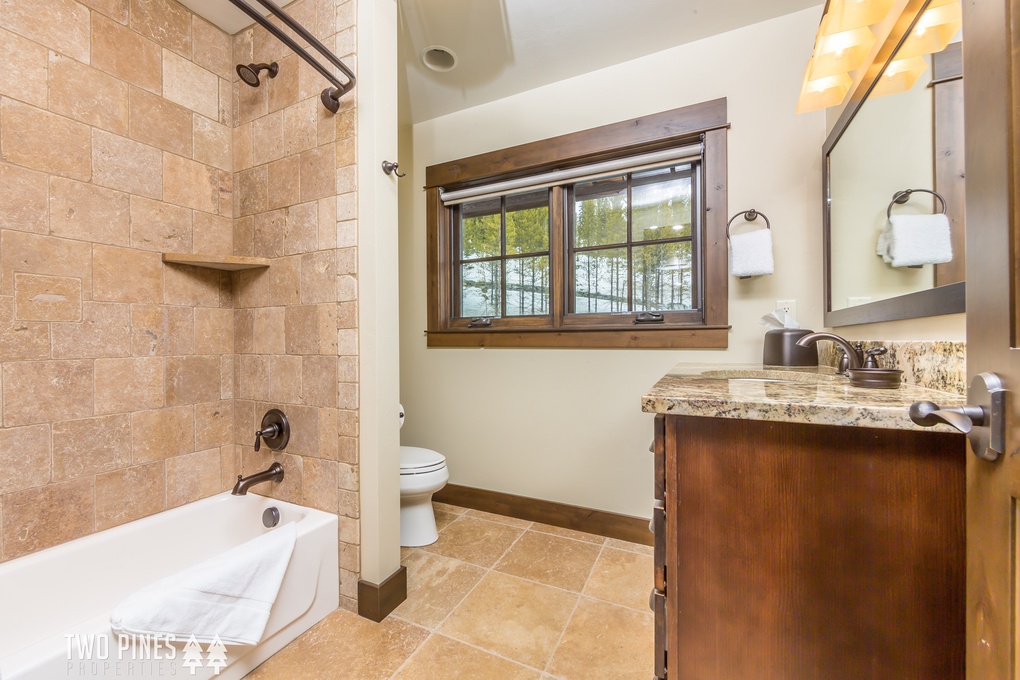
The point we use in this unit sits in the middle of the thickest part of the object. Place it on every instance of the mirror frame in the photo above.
(949, 299)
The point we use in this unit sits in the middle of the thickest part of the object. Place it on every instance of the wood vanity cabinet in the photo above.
(787, 551)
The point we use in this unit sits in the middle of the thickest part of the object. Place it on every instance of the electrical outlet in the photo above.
(788, 306)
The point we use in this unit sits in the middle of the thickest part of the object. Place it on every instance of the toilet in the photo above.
(422, 473)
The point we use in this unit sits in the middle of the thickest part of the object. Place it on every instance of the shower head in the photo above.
(250, 72)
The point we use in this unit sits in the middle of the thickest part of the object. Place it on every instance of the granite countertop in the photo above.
(815, 395)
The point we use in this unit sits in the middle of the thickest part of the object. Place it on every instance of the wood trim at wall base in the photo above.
(599, 522)
(375, 602)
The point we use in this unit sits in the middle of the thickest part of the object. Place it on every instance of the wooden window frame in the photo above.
(706, 121)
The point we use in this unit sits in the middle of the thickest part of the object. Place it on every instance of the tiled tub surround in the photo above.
(495, 597)
(117, 372)
(295, 323)
(806, 395)
(42, 605)
(935, 365)
(130, 386)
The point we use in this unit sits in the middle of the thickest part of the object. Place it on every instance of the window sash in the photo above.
(695, 315)
(564, 202)
(503, 258)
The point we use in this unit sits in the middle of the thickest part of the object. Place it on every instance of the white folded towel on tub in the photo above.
(751, 253)
(919, 239)
(228, 596)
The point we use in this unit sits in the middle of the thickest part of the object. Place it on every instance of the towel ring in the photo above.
(749, 216)
(901, 197)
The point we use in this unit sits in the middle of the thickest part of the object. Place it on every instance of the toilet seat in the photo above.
(415, 460)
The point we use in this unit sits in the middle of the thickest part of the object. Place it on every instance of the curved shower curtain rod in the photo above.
(330, 96)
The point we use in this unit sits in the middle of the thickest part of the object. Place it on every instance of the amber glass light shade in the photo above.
(822, 93)
(846, 15)
(841, 52)
(934, 30)
(899, 76)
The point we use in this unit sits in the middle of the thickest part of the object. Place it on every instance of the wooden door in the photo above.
(992, 113)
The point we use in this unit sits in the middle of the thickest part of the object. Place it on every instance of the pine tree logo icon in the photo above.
(193, 655)
(216, 657)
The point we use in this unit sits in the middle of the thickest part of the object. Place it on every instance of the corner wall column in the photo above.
(378, 295)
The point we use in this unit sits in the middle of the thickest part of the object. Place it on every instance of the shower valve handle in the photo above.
(271, 431)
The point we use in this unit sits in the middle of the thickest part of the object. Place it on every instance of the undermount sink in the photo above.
(772, 375)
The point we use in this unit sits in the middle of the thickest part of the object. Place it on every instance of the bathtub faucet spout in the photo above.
(273, 474)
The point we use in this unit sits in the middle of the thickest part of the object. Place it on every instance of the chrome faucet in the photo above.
(854, 354)
(273, 474)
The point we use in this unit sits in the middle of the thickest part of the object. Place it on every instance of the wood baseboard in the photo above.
(375, 602)
(599, 522)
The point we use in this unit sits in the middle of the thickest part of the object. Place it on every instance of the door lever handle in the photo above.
(962, 418)
(984, 424)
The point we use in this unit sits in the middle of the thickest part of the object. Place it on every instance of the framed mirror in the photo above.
(900, 137)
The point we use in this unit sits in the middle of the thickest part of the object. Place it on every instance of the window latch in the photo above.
(649, 317)
(480, 322)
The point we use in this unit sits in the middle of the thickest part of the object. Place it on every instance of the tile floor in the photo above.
(495, 598)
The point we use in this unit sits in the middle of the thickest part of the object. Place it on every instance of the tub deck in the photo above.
(57, 602)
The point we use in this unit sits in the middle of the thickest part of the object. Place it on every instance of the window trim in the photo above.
(639, 135)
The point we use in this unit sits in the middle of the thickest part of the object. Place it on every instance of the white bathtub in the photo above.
(55, 603)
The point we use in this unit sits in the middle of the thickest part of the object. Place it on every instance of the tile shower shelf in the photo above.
(228, 263)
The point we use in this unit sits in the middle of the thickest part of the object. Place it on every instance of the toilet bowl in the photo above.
(422, 473)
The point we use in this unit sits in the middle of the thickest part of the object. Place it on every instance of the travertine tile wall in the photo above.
(295, 324)
(116, 371)
(128, 386)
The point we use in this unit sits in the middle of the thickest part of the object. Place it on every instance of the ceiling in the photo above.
(504, 47)
(509, 46)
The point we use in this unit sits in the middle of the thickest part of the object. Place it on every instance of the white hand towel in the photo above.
(229, 595)
(751, 253)
(919, 239)
(882, 248)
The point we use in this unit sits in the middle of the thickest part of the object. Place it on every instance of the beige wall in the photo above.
(130, 386)
(566, 425)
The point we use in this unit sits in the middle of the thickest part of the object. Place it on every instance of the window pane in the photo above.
(480, 289)
(662, 203)
(527, 223)
(479, 229)
(600, 281)
(600, 212)
(527, 286)
(662, 277)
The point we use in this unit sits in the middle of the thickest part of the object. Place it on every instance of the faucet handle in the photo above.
(275, 432)
(869, 356)
(268, 432)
